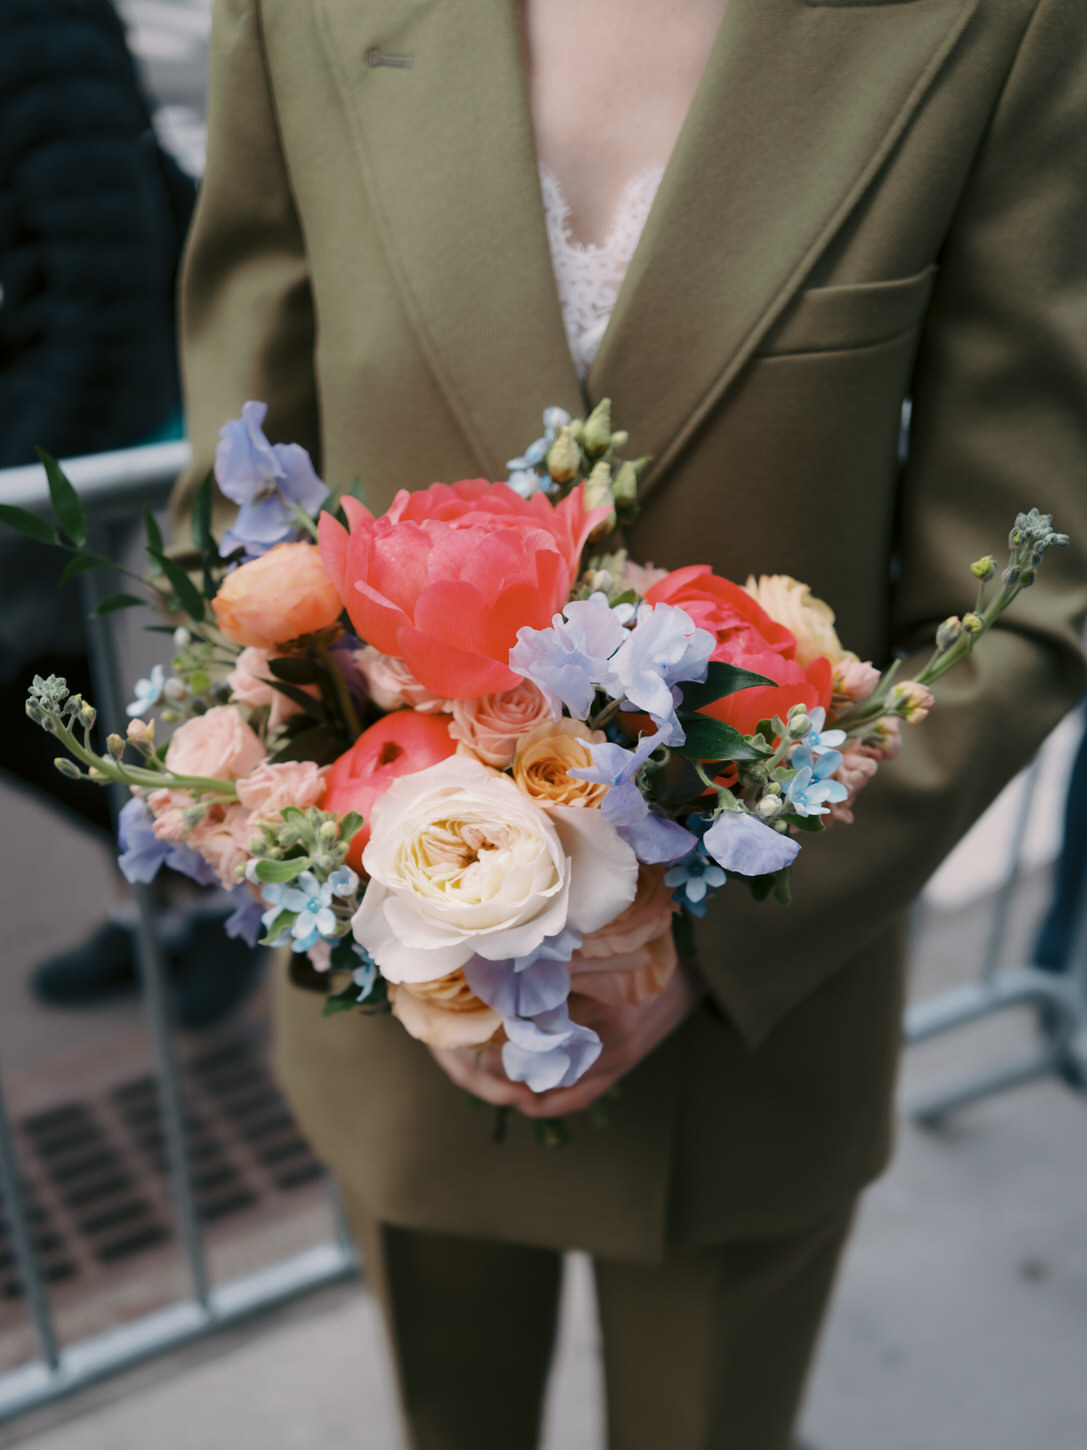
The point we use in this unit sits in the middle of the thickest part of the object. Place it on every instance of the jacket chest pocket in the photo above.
(837, 319)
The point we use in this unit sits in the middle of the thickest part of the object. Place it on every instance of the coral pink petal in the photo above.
(457, 674)
(332, 541)
(376, 620)
(399, 568)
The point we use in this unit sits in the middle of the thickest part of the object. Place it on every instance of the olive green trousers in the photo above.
(707, 1350)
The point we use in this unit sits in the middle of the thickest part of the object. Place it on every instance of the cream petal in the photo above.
(603, 868)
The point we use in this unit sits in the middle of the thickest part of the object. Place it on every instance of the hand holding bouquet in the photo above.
(471, 760)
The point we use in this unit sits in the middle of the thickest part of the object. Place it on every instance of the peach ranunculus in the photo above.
(632, 958)
(463, 864)
(747, 636)
(491, 725)
(808, 618)
(277, 597)
(249, 683)
(216, 744)
(547, 753)
(446, 576)
(265, 791)
(392, 685)
(444, 1013)
(399, 744)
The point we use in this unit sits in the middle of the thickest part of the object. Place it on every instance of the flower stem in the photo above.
(343, 694)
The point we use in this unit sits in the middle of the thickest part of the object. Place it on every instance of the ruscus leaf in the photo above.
(66, 503)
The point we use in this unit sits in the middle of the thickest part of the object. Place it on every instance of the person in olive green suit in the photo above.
(869, 201)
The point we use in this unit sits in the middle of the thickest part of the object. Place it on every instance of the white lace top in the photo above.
(588, 275)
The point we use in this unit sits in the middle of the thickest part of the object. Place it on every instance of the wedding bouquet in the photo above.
(468, 757)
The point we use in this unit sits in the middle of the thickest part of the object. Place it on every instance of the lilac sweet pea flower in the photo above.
(526, 986)
(143, 854)
(740, 842)
(245, 921)
(267, 480)
(570, 659)
(653, 839)
(664, 647)
(549, 1051)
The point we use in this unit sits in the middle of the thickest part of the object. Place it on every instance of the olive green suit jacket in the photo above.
(871, 200)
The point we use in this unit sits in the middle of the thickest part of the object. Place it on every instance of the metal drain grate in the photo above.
(97, 1170)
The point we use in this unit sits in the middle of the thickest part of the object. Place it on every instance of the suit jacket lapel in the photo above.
(799, 105)
(447, 152)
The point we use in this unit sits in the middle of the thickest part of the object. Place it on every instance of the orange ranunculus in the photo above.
(399, 744)
(746, 636)
(277, 597)
(446, 576)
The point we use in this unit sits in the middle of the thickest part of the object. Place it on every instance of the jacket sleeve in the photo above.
(247, 318)
(999, 425)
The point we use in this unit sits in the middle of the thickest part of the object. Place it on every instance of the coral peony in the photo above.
(746, 636)
(399, 744)
(280, 596)
(446, 576)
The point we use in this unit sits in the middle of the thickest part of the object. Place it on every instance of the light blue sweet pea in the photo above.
(740, 842)
(664, 648)
(569, 660)
(548, 1051)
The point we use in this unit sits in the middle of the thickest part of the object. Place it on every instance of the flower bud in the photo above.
(68, 768)
(175, 691)
(182, 638)
(769, 808)
(87, 715)
(1011, 575)
(564, 456)
(596, 432)
(799, 723)
(141, 732)
(625, 487)
(949, 633)
(983, 568)
(621, 437)
(911, 700)
(115, 745)
(1026, 578)
(973, 623)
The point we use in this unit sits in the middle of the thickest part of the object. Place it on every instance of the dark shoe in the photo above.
(212, 974)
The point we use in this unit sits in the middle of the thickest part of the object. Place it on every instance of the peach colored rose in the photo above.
(398, 744)
(392, 685)
(248, 682)
(809, 619)
(490, 725)
(277, 597)
(265, 791)
(218, 743)
(444, 1013)
(632, 958)
(547, 753)
(447, 575)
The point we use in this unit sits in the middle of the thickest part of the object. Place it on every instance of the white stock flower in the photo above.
(462, 864)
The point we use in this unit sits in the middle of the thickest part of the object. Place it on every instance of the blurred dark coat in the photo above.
(92, 215)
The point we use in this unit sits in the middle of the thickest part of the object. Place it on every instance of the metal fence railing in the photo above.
(114, 488)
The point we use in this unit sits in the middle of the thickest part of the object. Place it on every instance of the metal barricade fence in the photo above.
(114, 488)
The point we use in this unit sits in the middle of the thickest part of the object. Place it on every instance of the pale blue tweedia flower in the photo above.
(365, 974)
(569, 660)
(148, 692)
(811, 792)
(548, 1051)
(343, 882)
(267, 480)
(740, 842)
(664, 647)
(693, 880)
(818, 740)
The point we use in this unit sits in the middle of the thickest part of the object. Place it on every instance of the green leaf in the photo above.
(721, 679)
(281, 922)
(29, 524)
(66, 504)
(192, 601)
(320, 743)
(201, 517)
(295, 669)
(714, 740)
(279, 872)
(82, 563)
(628, 596)
(113, 602)
(804, 823)
(154, 533)
(341, 1001)
(782, 892)
(350, 824)
(313, 708)
(761, 886)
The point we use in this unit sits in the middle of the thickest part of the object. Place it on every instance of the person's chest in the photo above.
(610, 83)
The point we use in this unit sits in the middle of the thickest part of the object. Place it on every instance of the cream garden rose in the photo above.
(791, 603)
(461, 863)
